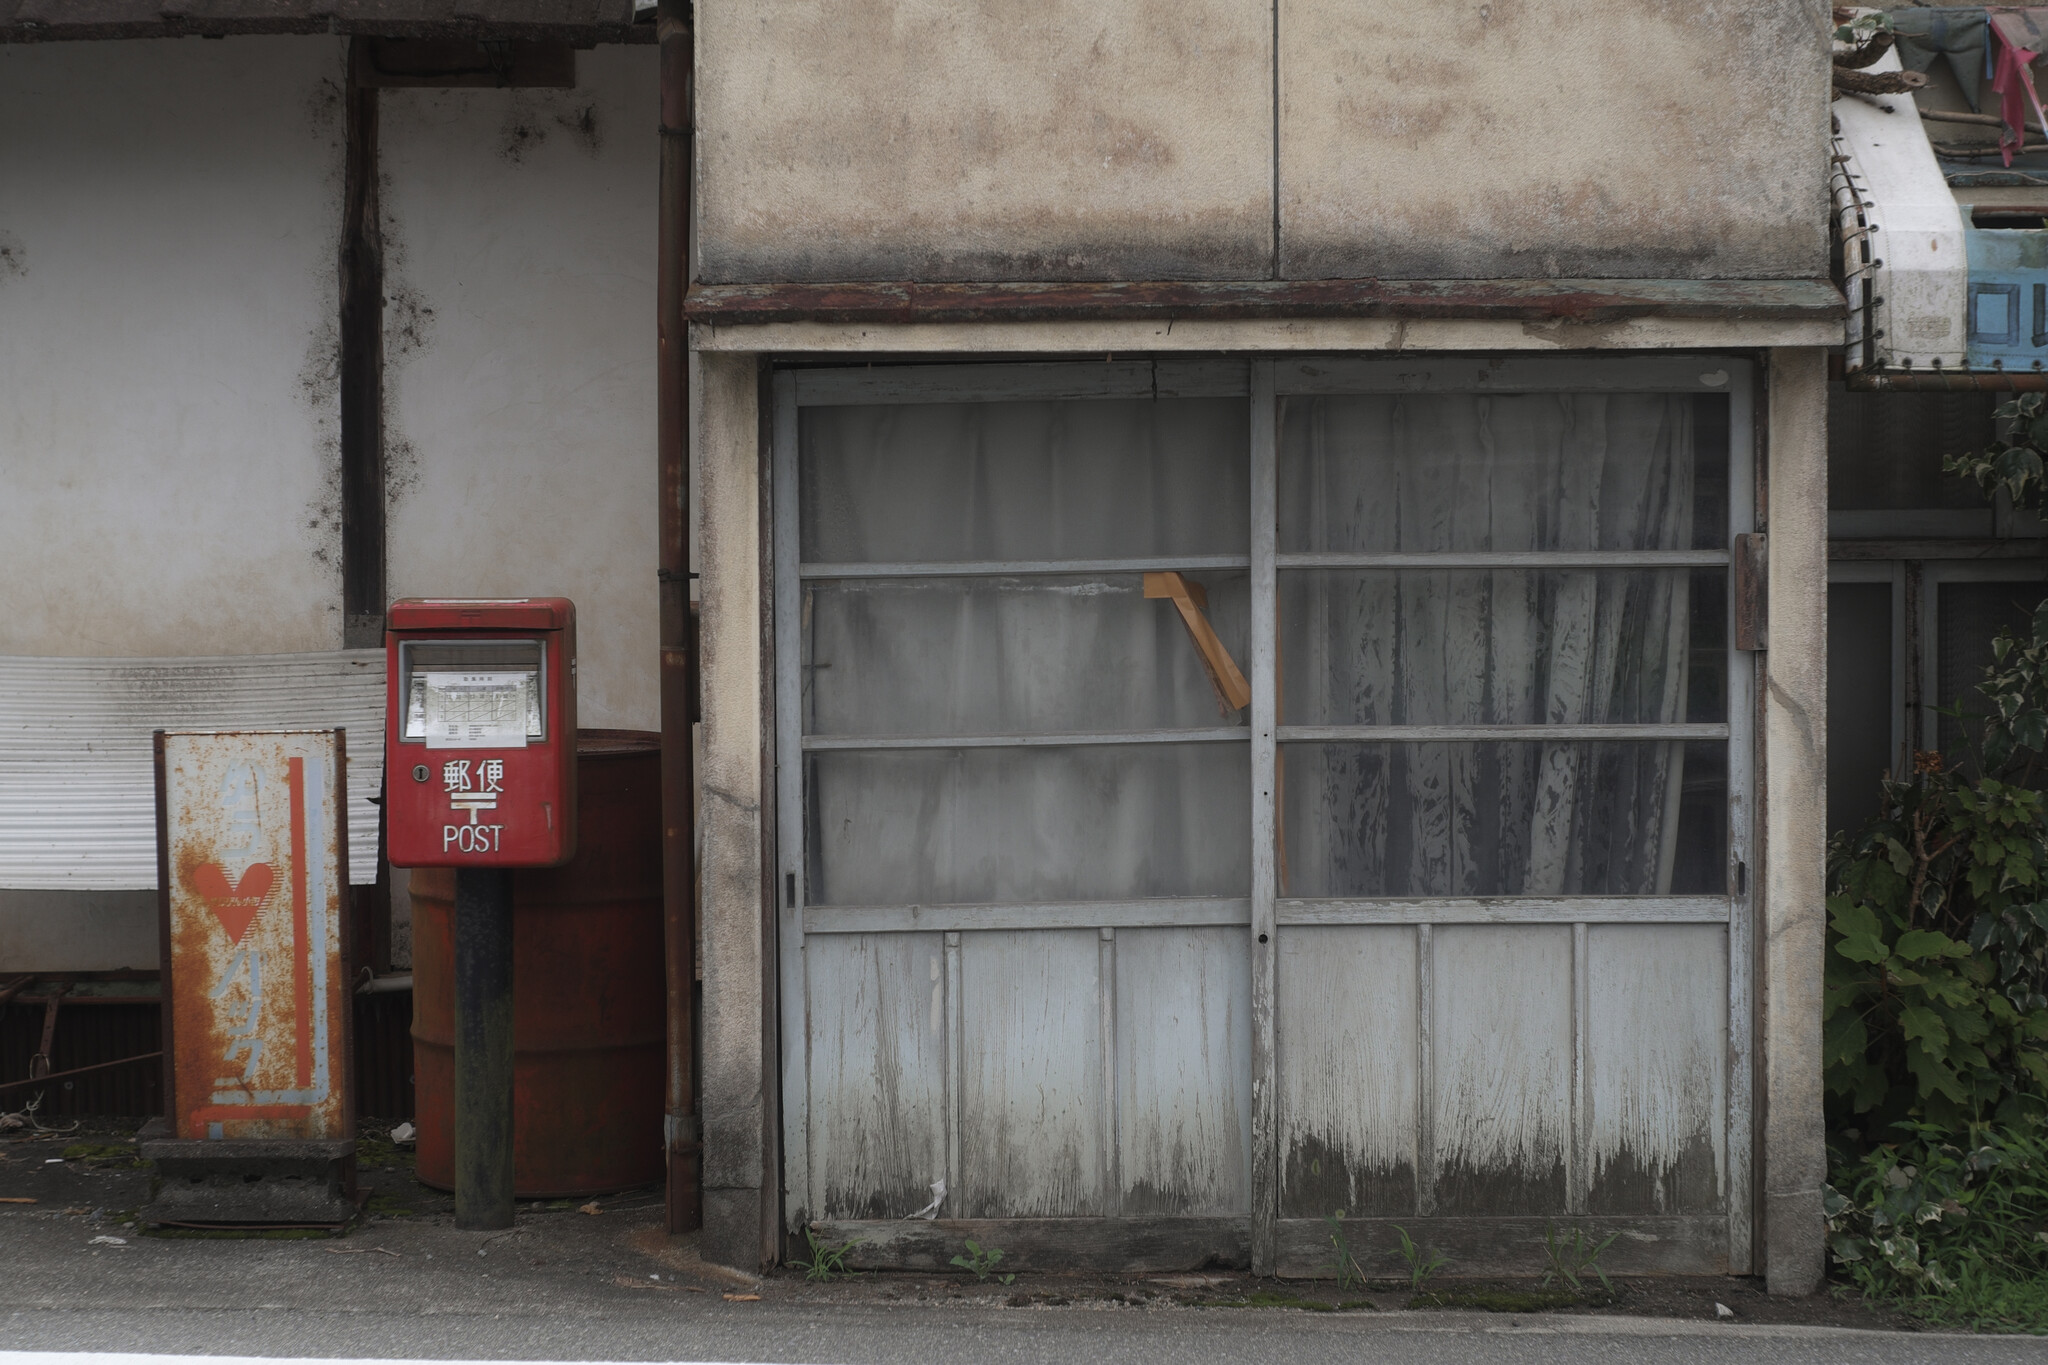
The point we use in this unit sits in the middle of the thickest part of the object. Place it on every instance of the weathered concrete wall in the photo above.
(1794, 917)
(77, 931)
(902, 139)
(738, 1073)
(1073, 139)
(1552, 138)
(170, 213)
(519, 236)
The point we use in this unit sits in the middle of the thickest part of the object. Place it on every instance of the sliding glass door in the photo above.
(1218, 795)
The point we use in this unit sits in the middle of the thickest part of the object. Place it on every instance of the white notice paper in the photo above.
(490, 710)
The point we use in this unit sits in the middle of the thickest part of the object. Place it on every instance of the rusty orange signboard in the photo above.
(253, 875)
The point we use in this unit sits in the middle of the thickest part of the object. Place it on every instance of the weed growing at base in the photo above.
(1949, 1228)
(827, 1260)
(1573, 1257)
(980, 1262)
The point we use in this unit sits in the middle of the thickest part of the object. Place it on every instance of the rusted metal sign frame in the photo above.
(215, 921)
(581, 22)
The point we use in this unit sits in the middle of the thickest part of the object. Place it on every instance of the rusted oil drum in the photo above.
(588, 992)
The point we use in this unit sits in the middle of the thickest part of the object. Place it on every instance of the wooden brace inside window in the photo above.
(1233, 693)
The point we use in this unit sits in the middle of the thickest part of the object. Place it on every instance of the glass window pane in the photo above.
(1093, 479)
(1503, 647)
(472, 693)
(1505, 819)
(1885, 449)
(1859, 700)
(1012, 655)
(1970, 616)
(1108, 822)
(1379, 473)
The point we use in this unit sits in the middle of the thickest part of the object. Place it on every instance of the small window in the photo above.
(1995, 314)
(1970, 616)
(1860, 702)
(1885, 449)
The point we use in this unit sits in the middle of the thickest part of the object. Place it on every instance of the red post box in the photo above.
(480, 732)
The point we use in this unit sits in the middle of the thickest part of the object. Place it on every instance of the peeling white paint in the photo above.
(1501, 1030)
(1184, 1070)
(1031, 1076)
(877, 1074)
(1347, 1044)
(1656, 1056)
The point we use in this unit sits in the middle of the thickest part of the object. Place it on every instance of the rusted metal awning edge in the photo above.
(593, 36)
(581, 22)
(1581, 301)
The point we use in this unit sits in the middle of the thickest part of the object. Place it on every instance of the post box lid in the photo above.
(482, 613)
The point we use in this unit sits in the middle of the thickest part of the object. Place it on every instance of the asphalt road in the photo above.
(953, 1337)
(74, 1277)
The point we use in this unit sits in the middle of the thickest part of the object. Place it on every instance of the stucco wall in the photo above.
(1547, 138)
(519, 242)
(881, 139)
(1073, 139)
(169, 431)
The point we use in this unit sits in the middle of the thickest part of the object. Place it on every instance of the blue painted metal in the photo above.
(2008, 301)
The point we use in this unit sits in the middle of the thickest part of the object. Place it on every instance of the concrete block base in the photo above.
(243, 1182)
(732, 1229)
(1795, 1242)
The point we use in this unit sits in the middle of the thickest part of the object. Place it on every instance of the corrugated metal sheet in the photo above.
(88, 1032)
(77, 787)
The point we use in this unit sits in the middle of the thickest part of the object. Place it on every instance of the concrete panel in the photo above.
(519, 349)
(170, 217)
(1795, 765)
(1552, 138)
(901, 139)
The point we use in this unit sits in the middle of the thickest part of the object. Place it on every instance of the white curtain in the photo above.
(1421, 472)
(1036, 654)
(1092, 479)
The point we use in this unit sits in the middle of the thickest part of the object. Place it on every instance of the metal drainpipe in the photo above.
(678, 636)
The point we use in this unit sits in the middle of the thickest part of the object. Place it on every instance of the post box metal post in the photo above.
(480, 776)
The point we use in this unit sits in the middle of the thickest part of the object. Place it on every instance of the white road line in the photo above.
(136, 1358)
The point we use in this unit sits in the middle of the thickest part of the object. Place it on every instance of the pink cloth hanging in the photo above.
(2014, 83)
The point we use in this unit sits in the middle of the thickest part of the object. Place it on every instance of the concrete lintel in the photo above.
(735, 955)
(1793, 911)
(1390, 335)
